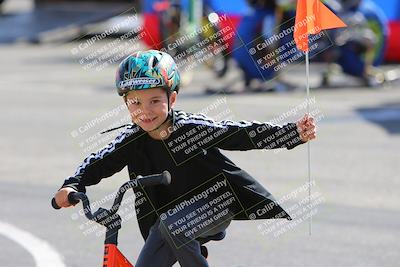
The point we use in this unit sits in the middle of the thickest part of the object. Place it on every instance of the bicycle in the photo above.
(110, 219)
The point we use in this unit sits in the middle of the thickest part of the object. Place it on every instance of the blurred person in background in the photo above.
(255, 27)
(359, 48)
(1, 7)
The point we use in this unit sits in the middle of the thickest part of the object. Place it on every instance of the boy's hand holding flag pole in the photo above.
(311, 17)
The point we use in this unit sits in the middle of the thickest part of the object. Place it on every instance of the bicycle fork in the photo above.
(112, 255)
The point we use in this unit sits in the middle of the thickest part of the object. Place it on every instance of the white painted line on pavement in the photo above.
(43, 254)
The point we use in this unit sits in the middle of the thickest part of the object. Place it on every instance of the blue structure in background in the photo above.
(250, 32)
(391, 8)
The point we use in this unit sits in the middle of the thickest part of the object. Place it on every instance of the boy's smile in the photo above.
(149, 109)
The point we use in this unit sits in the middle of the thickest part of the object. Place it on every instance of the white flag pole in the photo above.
(308, 143)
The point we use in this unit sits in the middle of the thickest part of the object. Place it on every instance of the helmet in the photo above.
(145, 70)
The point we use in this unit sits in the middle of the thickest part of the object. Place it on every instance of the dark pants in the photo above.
(164, 245)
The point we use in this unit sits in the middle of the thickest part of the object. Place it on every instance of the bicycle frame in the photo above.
(114, 258)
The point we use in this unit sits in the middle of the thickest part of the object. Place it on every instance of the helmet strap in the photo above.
(169, 112)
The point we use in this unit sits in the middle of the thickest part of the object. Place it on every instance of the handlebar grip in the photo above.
(156, 179)
(73, 198)
(54, 204)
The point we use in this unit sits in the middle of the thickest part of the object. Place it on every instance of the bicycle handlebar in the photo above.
(144, 181)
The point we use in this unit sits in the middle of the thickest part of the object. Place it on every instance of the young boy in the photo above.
(207, 189)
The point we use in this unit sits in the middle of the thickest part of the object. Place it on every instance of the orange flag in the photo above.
(311, 17)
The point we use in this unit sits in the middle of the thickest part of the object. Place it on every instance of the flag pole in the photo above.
(322, 19)
(308, 143)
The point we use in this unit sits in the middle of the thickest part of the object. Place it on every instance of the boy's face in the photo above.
(149, 108)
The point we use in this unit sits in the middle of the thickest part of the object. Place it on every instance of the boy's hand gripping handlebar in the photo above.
(143, 181)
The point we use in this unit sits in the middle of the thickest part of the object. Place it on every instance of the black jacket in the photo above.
(191, 154)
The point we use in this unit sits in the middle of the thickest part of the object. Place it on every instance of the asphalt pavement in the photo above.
(49, 101)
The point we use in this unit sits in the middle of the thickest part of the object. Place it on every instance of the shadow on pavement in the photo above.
(386, 116)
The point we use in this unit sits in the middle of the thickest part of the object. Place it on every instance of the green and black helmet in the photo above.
(145, 70)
